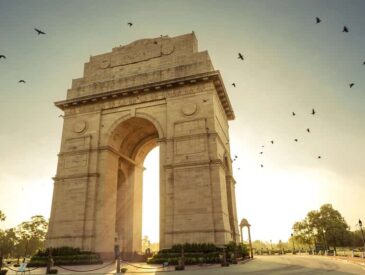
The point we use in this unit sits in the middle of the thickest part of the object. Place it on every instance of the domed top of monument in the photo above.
(244, 222)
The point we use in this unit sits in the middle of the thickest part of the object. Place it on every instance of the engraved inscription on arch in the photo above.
(190, 146)
(197, 126)
(76, 161)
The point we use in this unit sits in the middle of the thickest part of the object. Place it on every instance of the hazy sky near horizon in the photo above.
(291, 64)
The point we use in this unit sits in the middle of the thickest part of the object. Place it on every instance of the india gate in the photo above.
(152, 92)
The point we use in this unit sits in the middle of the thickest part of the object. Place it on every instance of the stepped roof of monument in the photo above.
(144, 65)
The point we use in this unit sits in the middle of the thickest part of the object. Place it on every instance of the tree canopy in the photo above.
(2, 216)
(325, 226)
(25, 239)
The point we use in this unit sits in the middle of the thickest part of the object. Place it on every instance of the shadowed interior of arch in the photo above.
(132, 140)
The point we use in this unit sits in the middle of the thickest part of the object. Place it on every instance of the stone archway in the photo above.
(159, 91)
(132, 139)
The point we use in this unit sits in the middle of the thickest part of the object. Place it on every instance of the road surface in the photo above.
(284, 265)
(265, 265)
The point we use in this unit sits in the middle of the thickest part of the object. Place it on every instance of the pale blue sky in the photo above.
(291, 64)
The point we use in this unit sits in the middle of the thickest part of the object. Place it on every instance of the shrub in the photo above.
(65, 256)
(198, 253)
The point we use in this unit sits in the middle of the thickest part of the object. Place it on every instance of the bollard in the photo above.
(117, 257)
(49, 261)
(118, 264)
(224, 258)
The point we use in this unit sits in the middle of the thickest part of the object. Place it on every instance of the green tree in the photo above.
(31, 235)
(2, 216)
(146, 243)
(326, 226)
(8, 241)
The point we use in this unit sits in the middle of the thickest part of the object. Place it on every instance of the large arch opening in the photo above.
(132, 140)
(151, 201)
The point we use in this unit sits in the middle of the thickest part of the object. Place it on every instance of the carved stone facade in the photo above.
(153, 92)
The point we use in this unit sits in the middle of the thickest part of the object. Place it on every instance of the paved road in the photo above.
(284, 265)
(266, 265)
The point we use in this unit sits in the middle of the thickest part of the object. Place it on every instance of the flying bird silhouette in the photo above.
(240, 56)
(262, 166)
(293, 113)
(130, 24)
(296, 140)
(351, 85)
(319, 157)
(272, 142)
(318, 20)
(2, 56)
(21, 81)
(308, 130)
(313, 112)
(39, 31)
(345, 29)
(261, 153)
(234, 85)
(235, 156)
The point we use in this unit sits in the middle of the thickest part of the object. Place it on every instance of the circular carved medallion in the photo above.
(167, 46)
(189, 109)
(79, 126)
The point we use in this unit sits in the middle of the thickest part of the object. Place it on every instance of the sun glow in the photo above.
(151, 196)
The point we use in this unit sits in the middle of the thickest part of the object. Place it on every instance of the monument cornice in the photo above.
(213, 76)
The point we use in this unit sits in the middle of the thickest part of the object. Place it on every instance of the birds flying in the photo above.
(318, 20)
(313, 112)
(272, 142)
(21, 81)
(2, 56)
(39, 31)
(240, 56)
(319, 157)
(345, 29)
(293, 113)
(308, 130)
(130, 24)
(351, 85)
(262, 166)
(234, 84)
(296, 140)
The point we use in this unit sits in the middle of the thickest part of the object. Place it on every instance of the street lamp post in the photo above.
(326, 247)
(362, 233)
(292, 237)
(271, 245)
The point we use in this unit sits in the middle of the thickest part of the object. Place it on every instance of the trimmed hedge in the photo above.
(65, 256)
(198, 253)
